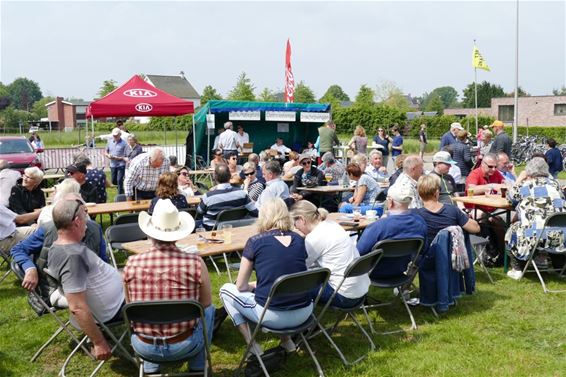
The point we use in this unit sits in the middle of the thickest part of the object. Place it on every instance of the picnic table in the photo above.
(53, 176)
(495, 201)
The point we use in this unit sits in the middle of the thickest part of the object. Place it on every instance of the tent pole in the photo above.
(176, 139)
(194, 145)
(92, 126)
(165, 134)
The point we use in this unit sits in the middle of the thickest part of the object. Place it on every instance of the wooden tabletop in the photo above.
(331, 189)
(239, 238)
(53, 176)
(201, 172)
(132, 206)
(495, 201)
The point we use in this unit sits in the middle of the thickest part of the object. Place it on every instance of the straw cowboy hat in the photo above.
(166, 223)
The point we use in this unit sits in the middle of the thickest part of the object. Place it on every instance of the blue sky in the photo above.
(69, 48)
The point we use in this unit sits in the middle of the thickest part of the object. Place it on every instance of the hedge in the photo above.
(182, 123)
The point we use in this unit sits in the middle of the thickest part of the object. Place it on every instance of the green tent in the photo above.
(262, 132)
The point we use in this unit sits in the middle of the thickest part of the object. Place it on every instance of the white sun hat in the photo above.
(166, 223)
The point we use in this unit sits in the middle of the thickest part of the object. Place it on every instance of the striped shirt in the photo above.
(225, 196)
(142, 176)
(163, 273)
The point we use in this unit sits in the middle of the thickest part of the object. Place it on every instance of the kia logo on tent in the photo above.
(144, 107)
(140, 93)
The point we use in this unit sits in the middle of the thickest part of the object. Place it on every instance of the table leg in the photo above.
(505, 258)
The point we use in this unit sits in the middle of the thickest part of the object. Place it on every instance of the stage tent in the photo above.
(296, 123)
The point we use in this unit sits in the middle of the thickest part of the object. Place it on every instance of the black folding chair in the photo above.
(360, 266)
(285, 285)
(555, 220)
(237, 218)
(163, 313)
(5, 260)
(399, 249)
(116, 235)
(127, 218)
(63, 325)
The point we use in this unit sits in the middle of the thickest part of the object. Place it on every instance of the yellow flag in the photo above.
(478, 61)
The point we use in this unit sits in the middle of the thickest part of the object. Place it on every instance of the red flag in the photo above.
(289, 79)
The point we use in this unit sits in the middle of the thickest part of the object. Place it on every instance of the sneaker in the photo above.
(256, 350)
(406, 293)
(515, 274)
(288, 345)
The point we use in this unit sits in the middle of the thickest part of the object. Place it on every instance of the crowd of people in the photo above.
(294, 233)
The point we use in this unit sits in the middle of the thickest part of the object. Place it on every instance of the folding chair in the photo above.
(556, 220)
(105, 328)
(116, 235)
(63, 325)
(5, 261)
(285, 285)
(237, 218)
(408, 248)
(127, 218)
(362, 265)
(479, 245)
(163, 313)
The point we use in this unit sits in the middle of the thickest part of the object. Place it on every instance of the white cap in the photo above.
(116, 131)
(401, 193)
(443, 156)
(457, 126)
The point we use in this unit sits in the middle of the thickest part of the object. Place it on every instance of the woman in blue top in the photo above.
(383, 139)
(397, 143)
(167, 188)
(275, 251)
(365, 193)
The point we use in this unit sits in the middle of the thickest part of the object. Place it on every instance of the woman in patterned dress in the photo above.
(538, 197)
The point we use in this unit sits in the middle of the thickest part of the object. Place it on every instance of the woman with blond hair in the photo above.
(359, 142)
(168, 188)
(329, 246)
(275, 251)
(68, 186)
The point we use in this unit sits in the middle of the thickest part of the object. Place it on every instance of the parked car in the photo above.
(19, 153)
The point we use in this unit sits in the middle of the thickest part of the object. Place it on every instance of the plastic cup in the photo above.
(357, 212)
(470, 191)
(227, 232)
(201, 240)
(371, 214)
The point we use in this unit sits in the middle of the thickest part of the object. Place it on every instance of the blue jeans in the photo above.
(348, 208)
(118, 177)
(339, 301)
(242, 307)
(192, 347)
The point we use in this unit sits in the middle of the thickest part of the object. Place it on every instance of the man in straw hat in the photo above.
(167, 273)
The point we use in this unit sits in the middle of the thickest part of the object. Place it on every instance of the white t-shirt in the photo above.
(8, 179)
(7, 224)
(227, 140)
(281, 148)
(328, 245)
(245, 138)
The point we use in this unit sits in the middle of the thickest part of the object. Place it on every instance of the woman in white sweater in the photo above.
(329, 245)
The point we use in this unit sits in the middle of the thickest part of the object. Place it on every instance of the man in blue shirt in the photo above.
(399, 224)
(450, 136)
(553, 158)
(116, 152)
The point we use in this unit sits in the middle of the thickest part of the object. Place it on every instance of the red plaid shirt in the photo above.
(163, 273)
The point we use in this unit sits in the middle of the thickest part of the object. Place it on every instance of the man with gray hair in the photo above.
(228, 140)
(275, 187)
(412, 170)
(92, 287)
(375, 169)
(450, 137)
(398, 225)
(143, 174)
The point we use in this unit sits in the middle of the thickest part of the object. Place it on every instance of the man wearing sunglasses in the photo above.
(92, 287)
(307, 176)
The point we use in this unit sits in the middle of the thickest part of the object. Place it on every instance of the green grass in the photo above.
(507, 329)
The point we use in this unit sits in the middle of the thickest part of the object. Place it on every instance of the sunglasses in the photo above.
(250, 173)
(490, 166)
(184, 173)
(304, 163)
(79, 204)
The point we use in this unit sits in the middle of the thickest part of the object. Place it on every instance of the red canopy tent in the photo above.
(139, 98)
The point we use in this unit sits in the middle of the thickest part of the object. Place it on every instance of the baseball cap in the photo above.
(498, 123)
(457, 126)
(304, 156)
(444, 157)
(401, 193)
(328, 156)
(116, 131)
(81, 168)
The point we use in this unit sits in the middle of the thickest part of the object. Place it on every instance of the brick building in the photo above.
(533, 110)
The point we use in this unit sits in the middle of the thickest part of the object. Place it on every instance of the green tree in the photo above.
(521, 92)
(243, 90)
(386, 89)
(209, 94)
(334, 92)
(267, 95)
(448, 95)
(39, 110)
(559, 92)
(23, 93)
(486, 91)
(304, 94)
(107, 87)
(435, 104)
(365, 96)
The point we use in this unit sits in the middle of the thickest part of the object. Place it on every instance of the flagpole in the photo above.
(516, 104)
(476, 91)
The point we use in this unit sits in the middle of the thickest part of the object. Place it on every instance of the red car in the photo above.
(18, 152)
